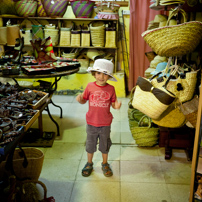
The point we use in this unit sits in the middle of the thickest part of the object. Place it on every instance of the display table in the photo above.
(53, 88)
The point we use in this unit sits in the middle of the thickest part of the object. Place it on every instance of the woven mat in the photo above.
(32, 138)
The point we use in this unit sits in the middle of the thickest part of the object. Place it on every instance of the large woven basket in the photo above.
(56, 9)
(82, 9)
(174, 40)
(97, 31)
(25, 8)
(35, 159)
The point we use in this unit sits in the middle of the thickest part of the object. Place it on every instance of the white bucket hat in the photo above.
(105, 66)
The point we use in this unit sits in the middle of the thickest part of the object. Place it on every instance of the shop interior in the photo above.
(46, 48)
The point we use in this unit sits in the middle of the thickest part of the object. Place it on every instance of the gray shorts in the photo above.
(95, 133)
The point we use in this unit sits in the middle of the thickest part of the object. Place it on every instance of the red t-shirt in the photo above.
(100, 99)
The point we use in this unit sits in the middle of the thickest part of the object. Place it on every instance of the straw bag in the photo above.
(190, 110)
(171, 118)
(85, 36)
(183, 86)
(144, 135)
(150, 100)
(174, 40)
(97, 31)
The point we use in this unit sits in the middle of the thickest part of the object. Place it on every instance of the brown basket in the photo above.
(35, 159)
(174, 40)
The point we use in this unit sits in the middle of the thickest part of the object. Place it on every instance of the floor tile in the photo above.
(142, 192)
(177, 173)
(126, 138)
(139, 153)
(141, 171)
(60, 169)
(95, 191)
(97, 174)
(60, 190)
(65, 151)
(179, 193)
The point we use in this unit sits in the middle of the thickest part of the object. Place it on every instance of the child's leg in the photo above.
(105, 158)
(90, 157)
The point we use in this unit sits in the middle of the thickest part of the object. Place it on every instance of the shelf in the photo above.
(55, 18)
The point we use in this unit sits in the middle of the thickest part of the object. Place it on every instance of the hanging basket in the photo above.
(82, 9)
(174, 40)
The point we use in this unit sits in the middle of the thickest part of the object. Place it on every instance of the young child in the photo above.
(101, 96)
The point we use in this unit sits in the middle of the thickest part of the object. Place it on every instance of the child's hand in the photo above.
(116, 105)
(80, 99)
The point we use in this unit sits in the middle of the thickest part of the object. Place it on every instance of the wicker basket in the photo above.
(26, 8)
(174, 40)
(53, 33)
(82, 9)
(97, 31)
(56, 9)
(144, 135)
(75, 38)
(35, 159)
(65, 36)
(3, 35)
(110, 37)
(85, 38)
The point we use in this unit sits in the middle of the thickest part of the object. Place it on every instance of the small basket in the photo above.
(97, 31)
(110, 37)
(53, 33)
(85, 38)
(82, 9)
(65, 36)
(35, 158)
(75, 38)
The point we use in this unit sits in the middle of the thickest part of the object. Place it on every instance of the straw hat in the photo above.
(103, 66)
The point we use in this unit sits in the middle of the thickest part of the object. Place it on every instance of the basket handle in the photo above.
(131, 96)
(175, 12)
(145, 117)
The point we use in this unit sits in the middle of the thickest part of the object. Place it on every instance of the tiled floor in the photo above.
(140, 174)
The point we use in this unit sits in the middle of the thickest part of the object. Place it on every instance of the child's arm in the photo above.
(80, 99)
(116, 104)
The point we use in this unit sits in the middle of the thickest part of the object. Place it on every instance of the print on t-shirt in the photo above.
(98, 99)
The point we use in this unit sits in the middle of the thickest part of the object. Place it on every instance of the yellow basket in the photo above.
(110, 37)
(3, 35)
(54, 34)
(75, 38)
(97, 31)
(85, 38)
(65, 37)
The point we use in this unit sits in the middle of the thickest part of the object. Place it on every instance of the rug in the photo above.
(32, 138)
